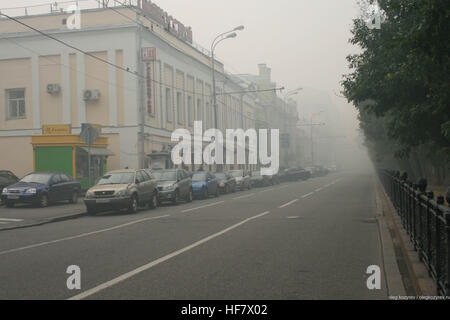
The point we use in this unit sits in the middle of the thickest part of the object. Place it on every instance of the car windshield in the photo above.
(117, 178)
(156, 175)
(167, 176)
(37, 178)
(237, 173)
(199, 177)
(221, 176)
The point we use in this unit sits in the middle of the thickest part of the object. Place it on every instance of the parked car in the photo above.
(227, 183)
(243, 180)
(7, 178)
(42, 188)
(259, 180)
(321, 171)
(173, 185)
(295, 174)
(204, 184)
(273, 178)
(122, 189)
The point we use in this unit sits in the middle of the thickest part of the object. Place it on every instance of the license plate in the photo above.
(13, 197)
(102, 201)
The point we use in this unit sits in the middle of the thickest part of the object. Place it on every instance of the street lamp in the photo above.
(223, 36)
(286, 127)
(312, 141)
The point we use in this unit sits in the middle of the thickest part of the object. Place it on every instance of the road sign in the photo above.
(89, 133)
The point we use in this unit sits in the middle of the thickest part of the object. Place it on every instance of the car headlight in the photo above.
(169, 188)
(121, 193)
(5, 190)
(222, 184)
(89, 194)
(31, 191)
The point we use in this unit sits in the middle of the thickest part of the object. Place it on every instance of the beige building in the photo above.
(138, 77)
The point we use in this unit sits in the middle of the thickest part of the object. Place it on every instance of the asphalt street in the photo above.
(300, 240)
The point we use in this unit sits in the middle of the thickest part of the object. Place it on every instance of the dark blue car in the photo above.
(41, 188)
(204, 184)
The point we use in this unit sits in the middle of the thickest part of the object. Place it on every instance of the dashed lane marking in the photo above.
(150, 265)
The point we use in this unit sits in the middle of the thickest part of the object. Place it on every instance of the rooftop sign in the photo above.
(171, 24)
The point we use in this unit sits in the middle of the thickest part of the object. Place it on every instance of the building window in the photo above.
(190, 111)
(15, 104)
(169, 107)
(180, 107)
(199, 110)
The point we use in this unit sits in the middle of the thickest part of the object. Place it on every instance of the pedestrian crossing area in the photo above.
(9, 220)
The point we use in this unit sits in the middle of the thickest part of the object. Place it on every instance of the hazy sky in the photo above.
(305, 42)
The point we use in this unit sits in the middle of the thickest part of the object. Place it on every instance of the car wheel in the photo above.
(206, 194)
(91, 209)
(133, 206)
(43, 201)
(217, 192)
(9, 204)
(154, 201)
(74, 198)
(189, 196)
(175, 198)
(226, 189)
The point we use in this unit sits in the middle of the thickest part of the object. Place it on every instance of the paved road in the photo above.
(301, 240)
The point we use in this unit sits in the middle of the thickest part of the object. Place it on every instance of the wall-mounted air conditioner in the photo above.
(53, 88)
(91, 95)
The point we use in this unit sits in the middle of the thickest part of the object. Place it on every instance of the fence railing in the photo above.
(426, 221)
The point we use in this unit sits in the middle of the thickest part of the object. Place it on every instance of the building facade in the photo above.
(138, 78)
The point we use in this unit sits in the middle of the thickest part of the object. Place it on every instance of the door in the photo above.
(56, 189)
(141, 186)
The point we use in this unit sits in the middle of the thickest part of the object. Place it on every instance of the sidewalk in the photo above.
(400, 256)
(22, 216)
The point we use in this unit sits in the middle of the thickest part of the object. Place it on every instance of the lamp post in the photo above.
(286, 127)
(221, 37)
(312, 142)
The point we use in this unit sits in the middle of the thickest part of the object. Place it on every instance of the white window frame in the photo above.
(8, 102)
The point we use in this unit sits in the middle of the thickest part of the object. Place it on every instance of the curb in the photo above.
(44, 221)
(394, 281)
(416, 273)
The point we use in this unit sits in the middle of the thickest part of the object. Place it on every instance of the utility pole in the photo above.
(140, 89)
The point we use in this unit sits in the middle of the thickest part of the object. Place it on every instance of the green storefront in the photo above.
(68, 153)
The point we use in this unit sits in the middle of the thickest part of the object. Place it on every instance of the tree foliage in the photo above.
(403, 71)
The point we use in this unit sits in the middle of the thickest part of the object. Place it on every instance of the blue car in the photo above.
(204, 184)
(41, 188)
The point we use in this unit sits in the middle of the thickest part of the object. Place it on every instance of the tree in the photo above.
(403, 71)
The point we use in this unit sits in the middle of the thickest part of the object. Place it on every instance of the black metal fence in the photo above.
(426, 221)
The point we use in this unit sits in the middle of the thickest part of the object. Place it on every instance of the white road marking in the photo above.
(245, 196)
(81, 235)
(201, 207)
(293, 217)
(267, 190)
(145, 267)
(288, 204)
(10, 220)
(307, 195)
(4, 222)
(318, 189)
